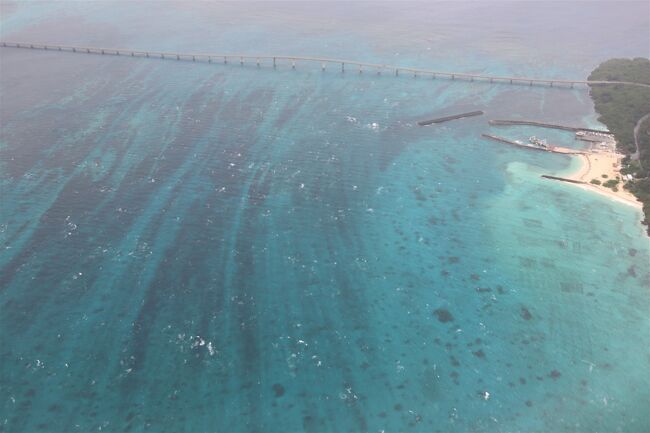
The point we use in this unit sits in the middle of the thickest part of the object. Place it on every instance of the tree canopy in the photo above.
(620, 108)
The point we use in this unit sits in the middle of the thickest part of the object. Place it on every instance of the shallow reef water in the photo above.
(223, 248)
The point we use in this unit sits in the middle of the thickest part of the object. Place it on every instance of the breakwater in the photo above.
(562, 179)
(448, 118)
(544, 125)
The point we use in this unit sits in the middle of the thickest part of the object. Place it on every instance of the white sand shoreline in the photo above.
(594, 166)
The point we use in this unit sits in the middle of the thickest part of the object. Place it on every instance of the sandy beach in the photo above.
(594, 166)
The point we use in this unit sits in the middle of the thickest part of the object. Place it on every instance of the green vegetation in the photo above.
(611, 183)
(620, 108)
(595, 181)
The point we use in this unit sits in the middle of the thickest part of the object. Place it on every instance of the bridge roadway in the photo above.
(322, 60)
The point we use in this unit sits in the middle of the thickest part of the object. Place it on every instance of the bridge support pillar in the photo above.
(530, 84)
(342, 67)
(162, 56)
(274, 62)
(258, 63)
(102, 52)
(59, 48)
(193, 59)
(572, 85)
(31, 46)
(132, 54)
(491, 80)
(146, 54)
(396, 72)
(117, 53)
(87, 50)
(225, 60)
(178, 57)
(74, 50)
(433, 77)
(241, 61)
(360, 69)
(510, 81)
(293, 64)
(453, 77)
(551, 84)
(209, 59)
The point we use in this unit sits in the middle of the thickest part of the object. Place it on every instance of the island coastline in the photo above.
(626, 116)
(597, 166)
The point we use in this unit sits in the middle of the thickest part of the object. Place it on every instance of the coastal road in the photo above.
(637, 154)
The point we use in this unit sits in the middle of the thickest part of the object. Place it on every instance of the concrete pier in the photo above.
(549, 148)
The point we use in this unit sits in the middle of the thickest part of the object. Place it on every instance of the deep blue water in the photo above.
(210, 248)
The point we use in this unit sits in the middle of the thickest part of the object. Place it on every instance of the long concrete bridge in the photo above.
(341, 64)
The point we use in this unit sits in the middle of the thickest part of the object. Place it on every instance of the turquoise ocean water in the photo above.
(210, 248)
